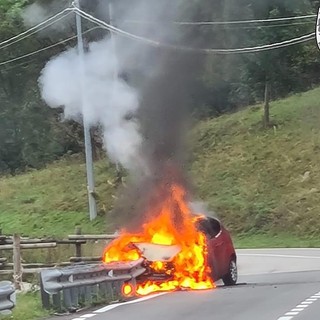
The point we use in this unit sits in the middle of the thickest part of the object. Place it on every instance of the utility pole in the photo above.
(266, 107)
(86, 127)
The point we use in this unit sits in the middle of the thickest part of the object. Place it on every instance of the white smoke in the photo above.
(201, 208)
(37, 12)
(106, 101)
(34, 14)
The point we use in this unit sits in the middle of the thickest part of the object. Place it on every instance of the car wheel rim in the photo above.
(233, 271)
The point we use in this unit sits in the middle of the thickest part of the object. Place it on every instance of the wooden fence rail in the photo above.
(16, 243)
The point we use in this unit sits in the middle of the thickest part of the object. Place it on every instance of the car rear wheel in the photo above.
(231, 277)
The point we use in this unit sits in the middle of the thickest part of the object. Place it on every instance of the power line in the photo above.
(44, 49)
(54, 19)
(278, 25)
(271, 26)
(34, 32)
(277, 45)
(42, 25)
(243, 27)
(104, 25)
(202, 23)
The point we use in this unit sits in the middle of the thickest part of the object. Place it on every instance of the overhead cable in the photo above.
(42, 25)
(44, 49)
(277, 45)
(201, 23)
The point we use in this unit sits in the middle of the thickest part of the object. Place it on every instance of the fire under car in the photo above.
(162, 267)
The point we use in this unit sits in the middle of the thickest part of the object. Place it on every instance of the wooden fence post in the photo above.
(17, 267)
(78, 245)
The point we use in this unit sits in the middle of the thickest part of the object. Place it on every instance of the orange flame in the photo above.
(173, 225)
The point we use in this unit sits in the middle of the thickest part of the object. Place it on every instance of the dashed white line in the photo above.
(112, 306)
(116, 305)
(85, 316)
(300, 307)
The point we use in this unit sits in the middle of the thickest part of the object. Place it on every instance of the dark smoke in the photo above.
(141, 96)
(164, 116)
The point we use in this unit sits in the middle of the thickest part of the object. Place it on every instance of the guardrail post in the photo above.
(45, 298)
(75, 297)
(67, 299)
(56, 301)
(78, 245)
(17, 267)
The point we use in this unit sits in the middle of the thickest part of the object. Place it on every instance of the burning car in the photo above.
(179, 249)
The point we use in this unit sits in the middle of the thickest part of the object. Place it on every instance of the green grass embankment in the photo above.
(263, 183)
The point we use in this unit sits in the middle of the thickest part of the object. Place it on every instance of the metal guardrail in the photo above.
(7, 297)
(73, 287)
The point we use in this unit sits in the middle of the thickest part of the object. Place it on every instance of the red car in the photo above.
(222, 257)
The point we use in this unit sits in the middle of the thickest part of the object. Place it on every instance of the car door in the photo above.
(213, 257)
(218, 247)
(225, 252)
(218, 255)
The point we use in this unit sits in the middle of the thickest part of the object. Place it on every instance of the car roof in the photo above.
(206, 217)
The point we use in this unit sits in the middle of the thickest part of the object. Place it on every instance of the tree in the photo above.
(31, 134)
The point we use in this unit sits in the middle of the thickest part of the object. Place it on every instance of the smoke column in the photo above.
(143, 115)
(110, 100)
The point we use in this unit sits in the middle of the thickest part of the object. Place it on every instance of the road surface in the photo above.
(274, 284)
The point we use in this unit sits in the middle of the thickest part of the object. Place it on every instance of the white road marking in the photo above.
(291, 313)
(300, 307)
(277, 255)
(116, 305)
(280, 249)
(85, 316)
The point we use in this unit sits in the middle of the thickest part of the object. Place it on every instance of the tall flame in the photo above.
(172, 224)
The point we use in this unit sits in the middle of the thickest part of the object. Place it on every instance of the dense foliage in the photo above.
(32, 134)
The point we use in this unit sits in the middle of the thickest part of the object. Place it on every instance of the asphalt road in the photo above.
(274, 284)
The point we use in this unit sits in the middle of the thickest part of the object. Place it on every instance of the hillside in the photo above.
(257, 180)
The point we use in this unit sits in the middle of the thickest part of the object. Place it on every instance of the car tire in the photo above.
(231, 277)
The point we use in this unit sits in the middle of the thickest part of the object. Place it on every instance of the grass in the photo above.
(28, 307)
(52, 201)
(263, 180)
(257, 180)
